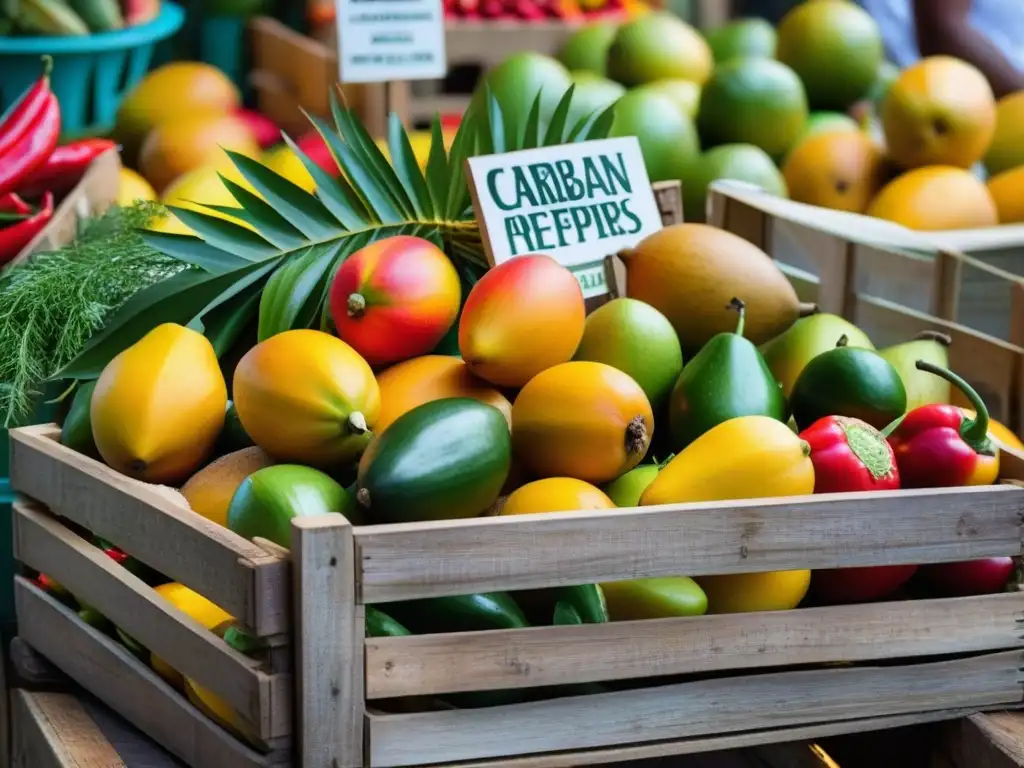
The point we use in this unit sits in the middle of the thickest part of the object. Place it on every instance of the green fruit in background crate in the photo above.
(743, 37)
(49, 17)
(587, 48)
(848, 381)
(445, 459)
(668, 139)
(741, 162)
(99, 15)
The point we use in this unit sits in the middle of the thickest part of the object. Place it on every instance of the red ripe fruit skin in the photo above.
(969, 577)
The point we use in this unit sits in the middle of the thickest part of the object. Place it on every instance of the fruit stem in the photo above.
(843, 341)
(806, 309)
(363, 498)
(636, 436)
(356, 305)
(973, 431)
(943, 339)
(357, 423)
(738, 306)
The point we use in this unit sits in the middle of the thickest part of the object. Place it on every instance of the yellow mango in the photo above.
(220, 712)
(159, 406)
(752, 592)
(749, 457)
(196, 607)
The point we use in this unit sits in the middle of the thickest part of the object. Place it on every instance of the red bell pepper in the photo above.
(850, 455)
(937, 446)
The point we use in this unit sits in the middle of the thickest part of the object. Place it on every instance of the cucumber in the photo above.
(446, 459)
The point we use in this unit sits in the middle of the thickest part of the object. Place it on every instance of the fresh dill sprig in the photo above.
(52, 304)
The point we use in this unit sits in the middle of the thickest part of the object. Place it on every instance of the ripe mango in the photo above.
(159, 406)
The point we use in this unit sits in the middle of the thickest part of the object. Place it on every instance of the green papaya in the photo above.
(380, 624)
(76, 432)
(459, 613)
(445, 459)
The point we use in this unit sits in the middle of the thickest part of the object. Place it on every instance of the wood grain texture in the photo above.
(993, 740)
(691, 709)
(415, 560)
(46, 545)
(674, 747)
(540, 656)
(53, 730)
(110, 673)
(329, 644)
(237, 575)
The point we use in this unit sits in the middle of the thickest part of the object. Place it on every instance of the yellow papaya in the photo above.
(158, 407)
(555, 494)
(307, 397)
(196, 607)
(752, 592)
(220, 712)
(581, 419)
(749, 457)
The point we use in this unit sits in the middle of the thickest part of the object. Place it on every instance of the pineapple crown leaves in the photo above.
(272, 265)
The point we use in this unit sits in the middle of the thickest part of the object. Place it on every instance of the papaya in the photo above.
(753, 592)
(749, 457)
(432, 377)
(209, 491)
(444, 459)
(220, 712)
(197, 608)
(656, 598)
(76, 431)
(555, 494)
(522, 317)
(268, 499)
(159, 406)
(395, 299)
(307, 397)
(583, 420)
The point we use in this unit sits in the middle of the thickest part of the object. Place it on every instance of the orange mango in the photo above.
(522, 317)
(555, 494)
(428, 378)
(583, 420)
(395, 299)
(159, 406)
(307, 397)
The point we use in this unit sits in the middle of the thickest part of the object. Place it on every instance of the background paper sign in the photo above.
(380, 40)
(576, 202)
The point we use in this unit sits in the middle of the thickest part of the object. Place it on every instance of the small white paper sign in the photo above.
(577, 203)
(381, 40)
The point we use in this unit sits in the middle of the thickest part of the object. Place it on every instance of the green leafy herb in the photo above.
(53, 303)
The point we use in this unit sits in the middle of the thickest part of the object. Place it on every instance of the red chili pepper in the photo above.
(32, 149)
(26, 110)
(65, 166)
(17, 236)
(937, 446)
(12, 203)
(116, 555)
(850, 455)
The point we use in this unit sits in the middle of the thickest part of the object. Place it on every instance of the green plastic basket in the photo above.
(91, 74)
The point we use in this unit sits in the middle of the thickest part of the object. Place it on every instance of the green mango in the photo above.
(445, 459)
(626, 490)
(134, 646)
(922, 388)
(788, 353)
(726, 379)
(269, 498)
(380, 624)
(848, 381)
(656, 598)
(76, 432)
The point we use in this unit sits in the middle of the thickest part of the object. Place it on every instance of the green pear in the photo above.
(788, 353)
(922, 387)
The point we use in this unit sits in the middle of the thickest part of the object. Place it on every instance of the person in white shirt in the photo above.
(986, 33)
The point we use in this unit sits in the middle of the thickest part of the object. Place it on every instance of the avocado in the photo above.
(445, 459)
(848, 381)
(728, 378)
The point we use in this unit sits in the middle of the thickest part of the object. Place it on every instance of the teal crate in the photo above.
(91, 74)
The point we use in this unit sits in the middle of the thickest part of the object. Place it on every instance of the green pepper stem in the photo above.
(973, 431)
(738, 306)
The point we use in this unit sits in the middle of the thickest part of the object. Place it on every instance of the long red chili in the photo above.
(65, 167)
(17, 236)
(27, 110)
(31, 150)
(12, 203)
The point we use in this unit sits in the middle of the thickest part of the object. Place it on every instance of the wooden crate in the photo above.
(911, 661)
(892, 283)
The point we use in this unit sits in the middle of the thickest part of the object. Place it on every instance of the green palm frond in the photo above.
(278, 272)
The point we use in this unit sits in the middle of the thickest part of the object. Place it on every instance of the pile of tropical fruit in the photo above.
(176, 127)
(811, 110)
(75, 17)
(709, 381)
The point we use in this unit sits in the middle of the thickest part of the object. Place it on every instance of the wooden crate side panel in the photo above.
(988, 364)
(161, 531)
(49, 547)
(542, 656)
(110, 673)
(408, 561)
(693, 709)
(987, 741)
(53, 730)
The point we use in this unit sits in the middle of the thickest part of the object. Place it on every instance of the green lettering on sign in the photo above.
(592, 279)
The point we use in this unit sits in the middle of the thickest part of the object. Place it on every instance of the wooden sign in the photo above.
(577, 203)
(393, 40)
